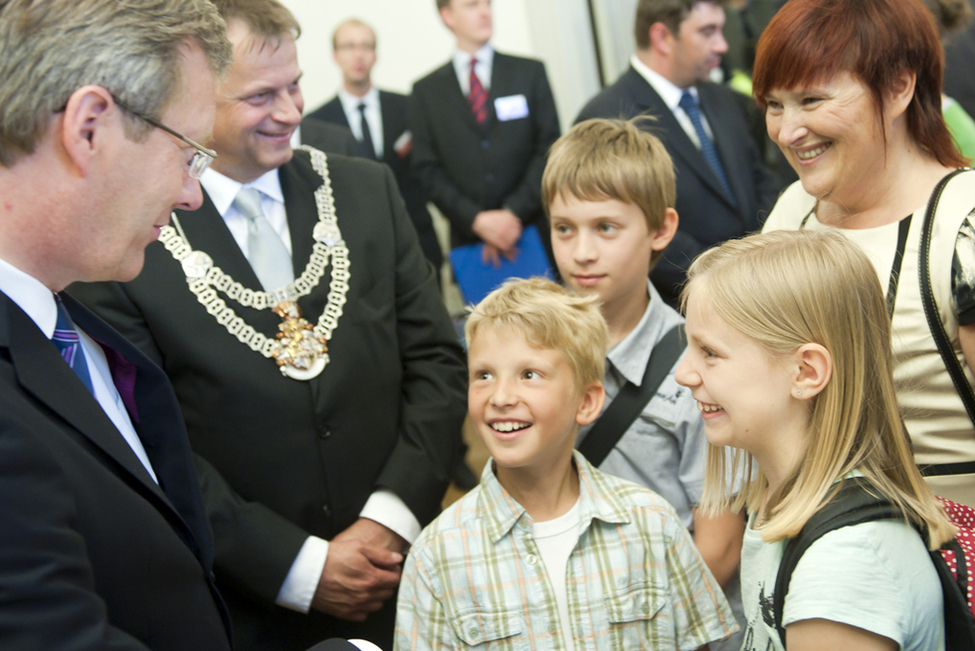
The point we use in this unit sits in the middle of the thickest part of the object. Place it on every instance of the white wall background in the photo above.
(413, 41)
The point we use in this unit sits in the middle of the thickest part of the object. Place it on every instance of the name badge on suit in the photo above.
(512, 107)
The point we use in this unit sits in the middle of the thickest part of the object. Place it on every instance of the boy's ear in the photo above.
(664, 234)
(814, 370)
(593, 397)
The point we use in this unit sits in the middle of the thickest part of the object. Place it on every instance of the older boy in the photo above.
(609, 188)
(549, 552)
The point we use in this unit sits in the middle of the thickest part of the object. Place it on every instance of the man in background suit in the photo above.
(330, 138)
(723, 188)
(315, 474)
(104, 541)
(482, 163)
(377, 118)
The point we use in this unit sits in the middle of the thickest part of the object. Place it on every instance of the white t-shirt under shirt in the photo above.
(877, 576)
(555, 540)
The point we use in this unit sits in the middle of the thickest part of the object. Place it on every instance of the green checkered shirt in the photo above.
(634, 580)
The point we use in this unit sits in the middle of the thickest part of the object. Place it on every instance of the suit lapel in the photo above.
(451, 93)
(298, 184)
(159, 430)
(724, 142)
(391, 125)
(206, 231)
(335, 113)
(42, 373)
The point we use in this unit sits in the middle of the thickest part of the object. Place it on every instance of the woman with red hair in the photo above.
(852, 96)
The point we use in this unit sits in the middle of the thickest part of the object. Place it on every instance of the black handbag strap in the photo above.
(931, 308)
(630, 401)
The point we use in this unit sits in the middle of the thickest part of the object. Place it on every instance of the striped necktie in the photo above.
(69, 345)
(478, 97)
(689, 104)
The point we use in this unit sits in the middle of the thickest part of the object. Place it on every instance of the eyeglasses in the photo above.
(201, 159)
(349, 47)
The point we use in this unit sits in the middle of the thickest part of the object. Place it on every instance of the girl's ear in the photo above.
(814, 368)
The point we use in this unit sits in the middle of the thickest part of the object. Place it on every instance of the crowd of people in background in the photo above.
(734, 299)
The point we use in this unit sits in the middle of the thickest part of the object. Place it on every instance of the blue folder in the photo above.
(477, 279)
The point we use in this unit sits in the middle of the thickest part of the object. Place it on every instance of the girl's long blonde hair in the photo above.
(789, 288)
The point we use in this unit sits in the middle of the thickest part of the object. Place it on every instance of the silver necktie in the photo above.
(266, 252)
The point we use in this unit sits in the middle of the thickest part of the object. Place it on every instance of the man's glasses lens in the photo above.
(199, 164)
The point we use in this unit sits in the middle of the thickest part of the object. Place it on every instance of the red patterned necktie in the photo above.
(478, 97)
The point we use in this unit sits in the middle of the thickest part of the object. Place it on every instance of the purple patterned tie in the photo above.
(69, 345)
(478, 97)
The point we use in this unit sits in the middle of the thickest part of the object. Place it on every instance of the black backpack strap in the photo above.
(630, 401)
(951, 362)
(959, 621)
(853, 504)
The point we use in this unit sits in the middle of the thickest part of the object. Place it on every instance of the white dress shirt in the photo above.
(383, 506)
(485, 63)
(39, 304)
(671, 94)
(374, 116)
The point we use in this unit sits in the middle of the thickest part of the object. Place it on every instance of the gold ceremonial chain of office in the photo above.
(300, 350)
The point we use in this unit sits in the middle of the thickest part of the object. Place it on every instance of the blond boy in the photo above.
(609, 190)
(548, 552)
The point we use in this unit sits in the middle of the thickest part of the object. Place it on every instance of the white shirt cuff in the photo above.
(299, 586)
(298, 589)
(365, 645)
(386, 508)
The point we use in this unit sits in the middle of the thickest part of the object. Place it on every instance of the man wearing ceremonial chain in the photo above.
(319, 375)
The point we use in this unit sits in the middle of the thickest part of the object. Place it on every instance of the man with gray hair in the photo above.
(104, 541)
(319, 374)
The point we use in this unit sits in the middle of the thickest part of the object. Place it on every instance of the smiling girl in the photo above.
(789, 358)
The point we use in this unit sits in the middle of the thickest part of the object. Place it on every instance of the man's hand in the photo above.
(499, 228)
(491, 255)
(362, 570)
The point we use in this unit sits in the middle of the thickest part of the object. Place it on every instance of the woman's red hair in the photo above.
(809, 41)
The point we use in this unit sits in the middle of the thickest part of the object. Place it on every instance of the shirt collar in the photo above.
(484, 56)
(596, 501)
(350, 102)
(668, 92)
(631, 355)
(30, 294)
(222, 190)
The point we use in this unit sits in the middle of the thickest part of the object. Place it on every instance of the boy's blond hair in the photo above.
(602, 159)
(550, 317)
(788, 288)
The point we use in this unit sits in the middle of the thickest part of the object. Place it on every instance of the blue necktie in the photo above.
(69, 345)
(689, 104)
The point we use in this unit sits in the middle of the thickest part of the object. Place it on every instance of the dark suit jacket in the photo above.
(93, 553)
(468, 168)
(393, 109)
(330, 138)
(707, 215)
(281, 458)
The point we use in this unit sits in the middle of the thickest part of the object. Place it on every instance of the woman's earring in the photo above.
(798, 393)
